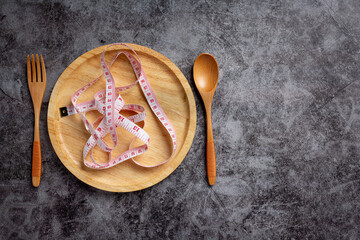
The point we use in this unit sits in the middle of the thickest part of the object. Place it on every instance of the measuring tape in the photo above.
(109, 103)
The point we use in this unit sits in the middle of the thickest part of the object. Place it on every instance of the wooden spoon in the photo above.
(206, 74)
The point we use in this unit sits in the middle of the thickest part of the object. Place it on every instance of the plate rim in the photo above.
(52, 117)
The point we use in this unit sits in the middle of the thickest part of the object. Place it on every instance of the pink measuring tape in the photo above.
(109, 103)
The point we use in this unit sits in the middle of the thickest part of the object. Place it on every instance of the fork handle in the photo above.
(36, 158)
(36, 164)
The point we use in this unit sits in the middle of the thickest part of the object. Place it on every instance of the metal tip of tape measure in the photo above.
(63, 112)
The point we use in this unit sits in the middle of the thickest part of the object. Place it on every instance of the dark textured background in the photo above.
(289, 85)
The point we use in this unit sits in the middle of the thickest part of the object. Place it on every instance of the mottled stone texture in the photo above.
(287, 128)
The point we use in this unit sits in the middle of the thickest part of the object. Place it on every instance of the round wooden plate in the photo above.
(68, 134)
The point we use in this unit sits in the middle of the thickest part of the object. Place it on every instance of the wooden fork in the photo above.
(37, 85)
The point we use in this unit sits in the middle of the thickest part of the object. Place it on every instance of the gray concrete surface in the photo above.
(287, 138)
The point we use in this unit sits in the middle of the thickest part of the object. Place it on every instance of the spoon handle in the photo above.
(210, 149)
(211, 162)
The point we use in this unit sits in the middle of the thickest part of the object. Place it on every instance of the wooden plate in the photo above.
(68, 134)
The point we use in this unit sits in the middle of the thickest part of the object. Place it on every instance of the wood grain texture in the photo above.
(36, 164)
(211, 161)
(37, 85)
(68, 134)
(206, 76)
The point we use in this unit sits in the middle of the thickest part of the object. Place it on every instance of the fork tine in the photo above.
(28, 69)
(43, 69)
(33, 69)
(38, 69)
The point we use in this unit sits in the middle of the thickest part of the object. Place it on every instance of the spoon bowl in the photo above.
(206, 72)
(206, 75)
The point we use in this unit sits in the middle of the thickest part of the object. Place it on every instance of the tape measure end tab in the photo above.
(63, 112)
